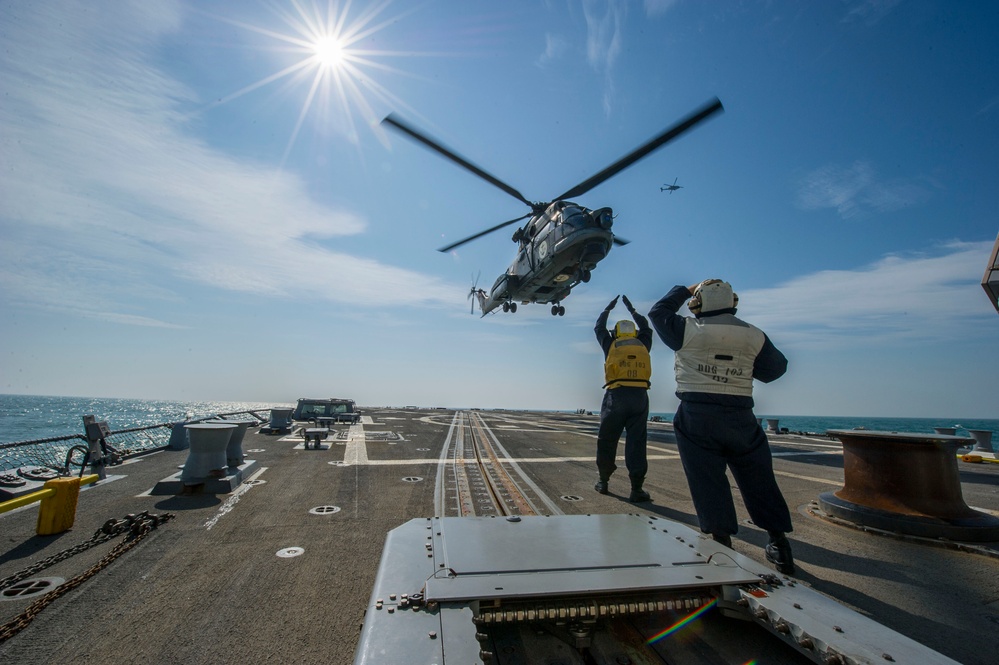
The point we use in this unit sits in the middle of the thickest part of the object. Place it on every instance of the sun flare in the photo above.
(333, 65)
(328, 52)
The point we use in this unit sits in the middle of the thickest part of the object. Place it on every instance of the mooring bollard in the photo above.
(208, 451)
(234, 450)
(983, 440)
(906, 483)
(280, 421)
(179, 439)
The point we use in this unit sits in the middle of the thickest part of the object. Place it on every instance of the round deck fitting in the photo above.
(907, 483)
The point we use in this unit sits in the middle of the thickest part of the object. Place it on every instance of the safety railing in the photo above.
(42, 459)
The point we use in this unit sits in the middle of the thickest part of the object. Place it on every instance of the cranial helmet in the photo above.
(624, 328)
(712, 295)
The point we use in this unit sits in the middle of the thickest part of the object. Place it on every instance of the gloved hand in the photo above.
(627, 303)
(612, 305)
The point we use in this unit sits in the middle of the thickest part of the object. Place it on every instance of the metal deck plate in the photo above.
(572, 554)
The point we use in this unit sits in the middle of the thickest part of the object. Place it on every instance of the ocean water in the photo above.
(819, 424)
(24, 417)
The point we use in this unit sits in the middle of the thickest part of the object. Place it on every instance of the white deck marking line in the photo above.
(511, 460)
(442, 461)
(838, 483)
(357, 449)
(233, 499)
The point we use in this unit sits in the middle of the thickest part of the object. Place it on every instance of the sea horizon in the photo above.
(27, 417)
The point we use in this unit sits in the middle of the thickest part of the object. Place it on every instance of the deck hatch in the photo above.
(547, 556)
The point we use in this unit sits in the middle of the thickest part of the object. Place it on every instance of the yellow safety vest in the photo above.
(628, 364)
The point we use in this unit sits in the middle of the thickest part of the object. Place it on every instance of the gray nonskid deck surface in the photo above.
(209, 586)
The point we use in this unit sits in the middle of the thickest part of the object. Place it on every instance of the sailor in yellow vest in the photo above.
(627, 370)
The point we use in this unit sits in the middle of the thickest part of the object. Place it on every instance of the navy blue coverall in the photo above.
(715, 431)
(625, 408)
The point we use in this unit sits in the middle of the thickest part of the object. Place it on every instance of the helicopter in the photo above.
(671, 188)
(562, 241)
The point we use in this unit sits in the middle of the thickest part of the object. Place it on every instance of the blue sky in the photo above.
(193, 206)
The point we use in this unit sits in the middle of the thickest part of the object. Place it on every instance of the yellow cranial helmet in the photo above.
(625, 328)
(712, 295)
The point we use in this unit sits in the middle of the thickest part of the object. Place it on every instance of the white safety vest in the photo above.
(717, 356)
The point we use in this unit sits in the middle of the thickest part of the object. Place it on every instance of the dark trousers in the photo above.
(710, 438)
(623, 409)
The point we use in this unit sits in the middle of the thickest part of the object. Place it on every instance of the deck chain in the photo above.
(135, 528)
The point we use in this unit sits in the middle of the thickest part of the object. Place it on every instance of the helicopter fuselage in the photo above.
(562, 241)
(557, 250)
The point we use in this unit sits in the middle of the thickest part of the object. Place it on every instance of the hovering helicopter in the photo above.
(671, 188)
(562, 241)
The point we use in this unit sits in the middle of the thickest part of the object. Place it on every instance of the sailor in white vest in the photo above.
(627, 371)
(717, 358)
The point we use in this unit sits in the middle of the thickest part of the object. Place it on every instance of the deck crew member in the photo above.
(717, 358)
(627, 370)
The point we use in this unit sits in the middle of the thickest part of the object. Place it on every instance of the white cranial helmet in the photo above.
(712, 295)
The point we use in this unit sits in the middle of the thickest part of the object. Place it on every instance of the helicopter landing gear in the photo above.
(558, 310)
(510, 307)
(583, 275)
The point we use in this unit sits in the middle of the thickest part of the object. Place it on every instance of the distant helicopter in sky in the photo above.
(671, 188)
(562, 241)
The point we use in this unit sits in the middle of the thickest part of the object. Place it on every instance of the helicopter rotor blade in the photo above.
(400, 125)
(482, 233)
(676, 130)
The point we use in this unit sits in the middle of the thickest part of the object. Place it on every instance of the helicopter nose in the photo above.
(605, 218)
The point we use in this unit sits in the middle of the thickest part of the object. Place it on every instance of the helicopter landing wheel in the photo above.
(585, 276)
(554, 310)
(506, 307)
(513, 307)
(561, 310)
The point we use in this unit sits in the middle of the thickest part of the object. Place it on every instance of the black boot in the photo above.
(638, 495)
(601, 486)
(722, 538)
(778, 552)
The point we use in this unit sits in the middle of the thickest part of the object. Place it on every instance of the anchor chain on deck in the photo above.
(135, 528)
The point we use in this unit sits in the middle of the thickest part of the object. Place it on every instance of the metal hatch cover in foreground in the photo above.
(563, 557)
(564, 588)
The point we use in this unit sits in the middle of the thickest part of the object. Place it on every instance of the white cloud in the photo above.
(658, 7)
(604, 21)
(105, 191)
(896, 300)
(555, 47)
(869, 12)
(856, 190)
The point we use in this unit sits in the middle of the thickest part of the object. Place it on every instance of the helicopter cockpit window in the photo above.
(574, 216)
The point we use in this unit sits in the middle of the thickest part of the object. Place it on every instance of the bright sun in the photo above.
(330, 61)
(328, 52)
